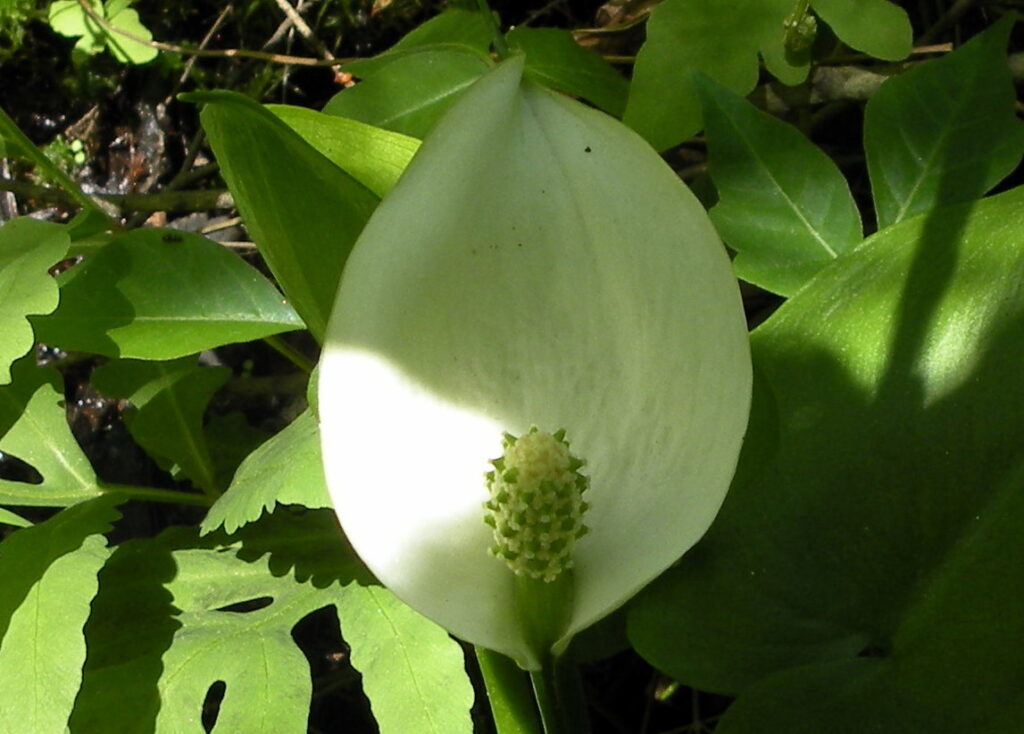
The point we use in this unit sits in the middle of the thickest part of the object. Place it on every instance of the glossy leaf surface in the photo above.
(945, 131)
(783, 204)
(866, 565)
(303, 212)
(162, 294)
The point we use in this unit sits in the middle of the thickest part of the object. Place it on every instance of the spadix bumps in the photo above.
(536, 265)
(536, 506)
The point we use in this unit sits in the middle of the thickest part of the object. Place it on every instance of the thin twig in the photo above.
(161, 201)
(303, 28)
(210, 53)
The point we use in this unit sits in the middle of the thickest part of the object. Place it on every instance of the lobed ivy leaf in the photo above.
(783, 204)
(412, 91)
(284, 470)
(169, 400)
(556, 60)
(371, 155)
(28, 248)
(68, 18)
(49, 579)
(163, 294)
(865, 571)
(302, 211)
(945, 131)
(720, 39)
(34, 428)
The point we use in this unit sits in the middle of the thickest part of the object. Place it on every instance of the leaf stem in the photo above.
(152, 494)
(509, 692)
(497, 39)
(290, 353)
(559, 692)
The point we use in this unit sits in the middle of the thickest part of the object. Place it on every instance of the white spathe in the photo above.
(536, 265)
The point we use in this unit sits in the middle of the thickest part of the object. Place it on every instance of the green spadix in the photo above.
(536, 265)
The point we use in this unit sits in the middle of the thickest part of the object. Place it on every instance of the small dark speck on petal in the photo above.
(587, 149)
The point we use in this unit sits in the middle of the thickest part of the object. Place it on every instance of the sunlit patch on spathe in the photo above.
(536, 504)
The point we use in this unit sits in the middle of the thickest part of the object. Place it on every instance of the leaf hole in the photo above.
(249, 605)
(14, 469)
(211, 705)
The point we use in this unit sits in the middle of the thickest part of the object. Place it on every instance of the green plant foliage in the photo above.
(720, 39)
(412, 670)
(28, 248)
(169, 400)
(162, 294)
(68, 18)
(867, 559)
(230, 438)
(723, 41)
(878, 28)
(553, 58)
(284, 470)
(945, 131)
(371, 155)
(783, 204)
(303, 212)
(412, 91)
(10, 518)
(33, 428)
(49, 573)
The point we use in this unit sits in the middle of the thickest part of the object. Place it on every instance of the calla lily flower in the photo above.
(537, 269)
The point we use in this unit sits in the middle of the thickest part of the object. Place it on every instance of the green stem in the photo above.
(497, 39)
(290, 353)
(559, 693)
(508, 690)
(151, 494)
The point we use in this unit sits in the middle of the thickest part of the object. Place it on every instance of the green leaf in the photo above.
(230, 439)
(131, 626)
(10, 518)
(284, 470)
(124, 49)
(413, 672)
(67, 18)
(783, 204)
(554, 59)
(454, 29)
(866, 564)
(49, 579)
(945, 131)
(876, 27)
(34, 428)
(170, 399)
(720, 39)
(371, 155)
(28, 248)
(411, 93)
(302, 211)
(162, 294)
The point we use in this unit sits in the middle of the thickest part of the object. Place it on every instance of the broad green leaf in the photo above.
(230, 438)
(302, 211)
(170, 399)
(783, 204)
(721, 39)
(49, 578)
(876, 27)
(411, 93)
(127, 50)
(371, 155)
(34, 428)
(945, 131)
(868, 558)
(131, 626)
(162, 294)
(554, 59)
(67, 18)
(284, 470)
(28, 248)
(455, 28)
(413, 672)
